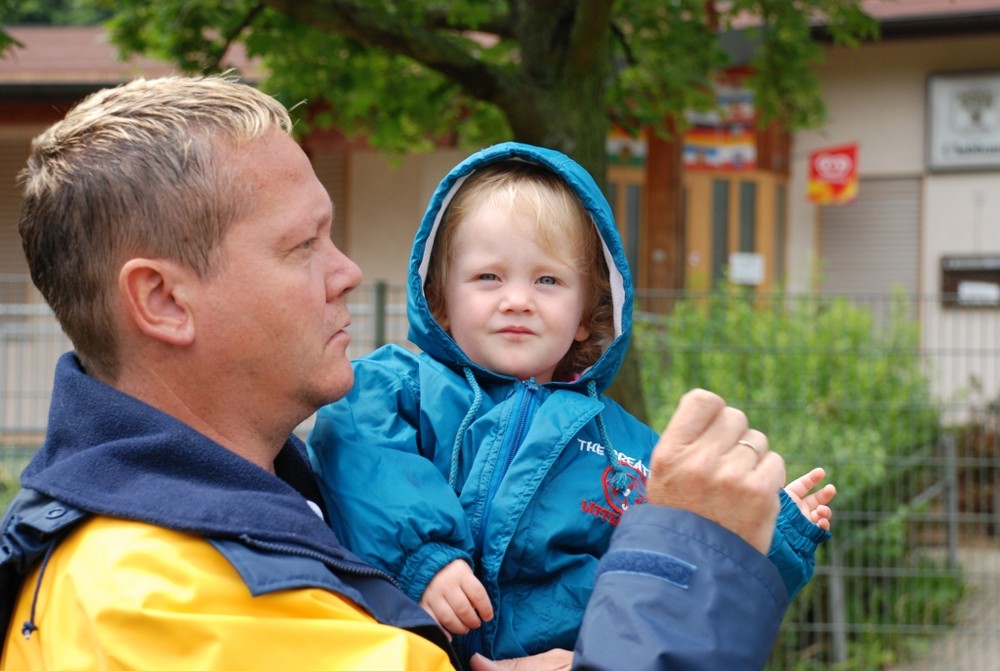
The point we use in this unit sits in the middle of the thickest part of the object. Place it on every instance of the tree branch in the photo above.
(593, 18)
(228, 39)
(498, 24)
(620, 37)
(383, 31)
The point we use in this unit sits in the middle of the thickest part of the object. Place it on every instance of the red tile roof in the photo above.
(80, 55)
(928, 9)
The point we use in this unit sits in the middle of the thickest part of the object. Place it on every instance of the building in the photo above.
(920, 108)
(377, 200)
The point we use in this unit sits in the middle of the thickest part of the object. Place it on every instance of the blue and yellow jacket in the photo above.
(432, 458)
(138, 543)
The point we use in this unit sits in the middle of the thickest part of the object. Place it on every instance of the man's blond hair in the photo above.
(136, 170)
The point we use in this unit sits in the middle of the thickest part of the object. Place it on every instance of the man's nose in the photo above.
(343, 274)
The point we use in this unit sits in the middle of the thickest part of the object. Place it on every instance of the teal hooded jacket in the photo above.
(432, 458)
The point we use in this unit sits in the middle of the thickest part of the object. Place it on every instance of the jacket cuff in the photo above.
(424, 564)
(799, 531)
(793, 548)
(675, 533)
(689, 593)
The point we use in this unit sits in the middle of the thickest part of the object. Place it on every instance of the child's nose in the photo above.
(516, 298)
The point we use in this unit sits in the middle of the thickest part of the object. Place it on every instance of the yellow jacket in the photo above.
(118, 595)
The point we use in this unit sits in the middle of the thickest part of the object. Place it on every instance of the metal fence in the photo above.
(31, 341)
(905, 421)
(897, 397)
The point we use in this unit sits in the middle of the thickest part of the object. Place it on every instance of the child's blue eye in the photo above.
(488, 276)
(548, 279)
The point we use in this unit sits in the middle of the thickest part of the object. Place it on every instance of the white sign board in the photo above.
(964, 121)
(746, 268)
(978, 293)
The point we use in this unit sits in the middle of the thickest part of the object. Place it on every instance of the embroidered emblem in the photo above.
(617, 502)
(634, 494)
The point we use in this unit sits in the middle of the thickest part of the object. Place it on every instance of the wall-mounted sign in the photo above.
(963, 112)
(833, 175)
(723, 138)
(971, 281)
(746, 268)
(625, 149)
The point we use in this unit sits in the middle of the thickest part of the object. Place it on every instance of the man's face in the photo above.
(276, 310)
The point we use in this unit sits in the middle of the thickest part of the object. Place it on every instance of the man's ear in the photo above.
(154, 295)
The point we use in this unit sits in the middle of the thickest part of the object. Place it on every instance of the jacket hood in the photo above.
(108, 453)
(428, 335)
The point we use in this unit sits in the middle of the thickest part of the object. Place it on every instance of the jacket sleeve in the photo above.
(387, 500)
(793, 547)
(132, 597)
(687, 593)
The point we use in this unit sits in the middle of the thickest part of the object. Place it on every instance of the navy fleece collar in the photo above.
(111, 454)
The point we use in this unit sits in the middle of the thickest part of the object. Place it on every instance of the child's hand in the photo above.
(456, 599)
(813, 506)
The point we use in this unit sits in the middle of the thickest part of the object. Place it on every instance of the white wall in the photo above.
(876, 96)
(385, 203)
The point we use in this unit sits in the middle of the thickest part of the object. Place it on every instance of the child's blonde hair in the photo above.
(558, 223)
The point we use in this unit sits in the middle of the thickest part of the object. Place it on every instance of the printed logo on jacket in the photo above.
(616, 502)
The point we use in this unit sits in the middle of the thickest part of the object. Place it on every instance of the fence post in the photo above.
(378, 315)
(951, 497)
(5, 395)
(838, 603)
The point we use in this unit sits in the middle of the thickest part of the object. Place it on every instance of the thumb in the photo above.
(695, 412)
(481, 663)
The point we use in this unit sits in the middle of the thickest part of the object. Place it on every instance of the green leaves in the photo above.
(408, 73)
(837, 384)
(831, 382)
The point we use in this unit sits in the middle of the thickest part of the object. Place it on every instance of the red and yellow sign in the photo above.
(833, 175)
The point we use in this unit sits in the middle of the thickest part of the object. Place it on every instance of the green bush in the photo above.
(832, 384)
(13, 459)
(8, 488)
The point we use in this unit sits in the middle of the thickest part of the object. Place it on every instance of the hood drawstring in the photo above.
(621, 480)
(456, 448)
(29, 627)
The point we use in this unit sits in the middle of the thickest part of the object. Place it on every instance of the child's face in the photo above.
(511, 306)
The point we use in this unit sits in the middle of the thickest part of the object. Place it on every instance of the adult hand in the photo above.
(552, 660)
(709, 462)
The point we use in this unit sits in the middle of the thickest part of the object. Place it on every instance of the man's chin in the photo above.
(340, 382)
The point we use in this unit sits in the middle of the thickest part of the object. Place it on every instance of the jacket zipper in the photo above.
(354, 568)
(524, 404)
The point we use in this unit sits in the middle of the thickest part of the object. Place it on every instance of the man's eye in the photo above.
(308, 244)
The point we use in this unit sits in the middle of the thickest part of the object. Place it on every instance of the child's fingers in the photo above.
(821, 517)
(826, 494)
(800, 486)
(478, 598)
(445, 615)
